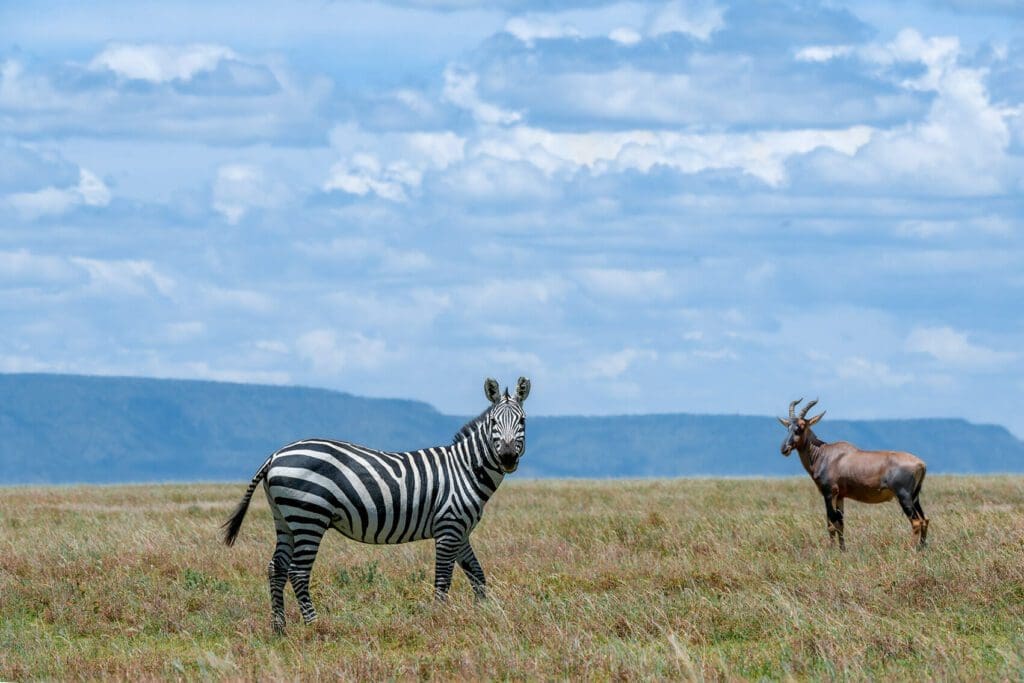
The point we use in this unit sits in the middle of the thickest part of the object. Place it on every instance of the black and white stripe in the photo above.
(379, 497)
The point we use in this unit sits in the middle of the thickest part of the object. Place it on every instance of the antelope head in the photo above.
(798, 426)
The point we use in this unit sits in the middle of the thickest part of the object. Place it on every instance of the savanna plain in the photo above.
(676, 579)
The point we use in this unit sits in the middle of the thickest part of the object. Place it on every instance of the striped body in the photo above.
(378, 497)
(381, 497)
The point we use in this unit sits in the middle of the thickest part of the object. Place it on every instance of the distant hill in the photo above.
(68, 428)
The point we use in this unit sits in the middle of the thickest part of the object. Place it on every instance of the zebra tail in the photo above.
(234, 523)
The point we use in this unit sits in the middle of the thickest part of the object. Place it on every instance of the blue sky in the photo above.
(704, 206)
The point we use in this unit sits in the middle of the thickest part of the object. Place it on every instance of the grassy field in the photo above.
(670, 579)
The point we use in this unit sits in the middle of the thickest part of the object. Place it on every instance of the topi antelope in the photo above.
(841, 470)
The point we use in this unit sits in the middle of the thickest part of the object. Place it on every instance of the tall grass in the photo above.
(700, 579)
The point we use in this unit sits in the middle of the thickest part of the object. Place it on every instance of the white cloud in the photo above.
(327, 352)
(625, 35)
(364, 174)
(961, 147)
(626, 284)
(460, 90)
(623, 23)
(125, 277)
(240, 188)
(389, 165)
(487, 178)
(22, 268)
(396, 315)
(823, 53)
(159, 63)
(531, 27)
(49, 201)
(699, 19)
(23, 91)
(762, 155)
(871, 373)
(517, 296)
(614, 365)
(953, 348)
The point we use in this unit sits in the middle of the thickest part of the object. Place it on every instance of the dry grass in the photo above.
(666, 579)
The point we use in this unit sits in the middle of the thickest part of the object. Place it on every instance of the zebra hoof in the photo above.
(278, 627)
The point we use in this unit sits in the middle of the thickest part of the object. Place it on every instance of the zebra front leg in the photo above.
(470, 565)
(307, 543)
(446, 549)
(277, 570)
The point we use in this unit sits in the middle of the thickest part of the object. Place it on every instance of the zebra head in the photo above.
(507, 422)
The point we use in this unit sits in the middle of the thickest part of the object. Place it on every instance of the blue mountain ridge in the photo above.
(86, 429)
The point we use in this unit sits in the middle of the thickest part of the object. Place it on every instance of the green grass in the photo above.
(713, 579)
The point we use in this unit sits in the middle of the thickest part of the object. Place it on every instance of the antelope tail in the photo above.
(234, 523)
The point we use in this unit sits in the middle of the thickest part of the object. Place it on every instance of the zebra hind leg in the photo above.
(307, 543)
(277, 572)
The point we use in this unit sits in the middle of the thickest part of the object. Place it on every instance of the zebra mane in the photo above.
(469, 428)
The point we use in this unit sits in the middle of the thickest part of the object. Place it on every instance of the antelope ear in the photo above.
(784, 423)
(814, 420)
(491, 390)
(522, 389)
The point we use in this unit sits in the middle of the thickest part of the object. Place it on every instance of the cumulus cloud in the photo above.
(159, 63)
(951, 347)
(239, 188)
(388, 165)
(84, 276)
(614, 365)
(961, 146)
(460, 88)
(762, 155)
(125, 277)
(528, 29)
(698, 19)
(164, 91)
(626, 24)
(871, 372)
(90, 191)
(331, 353)
(364, 174)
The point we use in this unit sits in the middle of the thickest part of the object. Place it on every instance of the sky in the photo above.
(709, 207)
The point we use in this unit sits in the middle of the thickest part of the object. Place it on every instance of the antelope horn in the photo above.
(803, 413)
(792, 405)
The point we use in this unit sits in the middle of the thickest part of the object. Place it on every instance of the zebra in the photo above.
(379, 497)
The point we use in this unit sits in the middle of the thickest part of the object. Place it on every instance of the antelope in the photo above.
(841, 470)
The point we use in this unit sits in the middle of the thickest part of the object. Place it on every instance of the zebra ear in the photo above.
(522, 389)
(491, 390)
